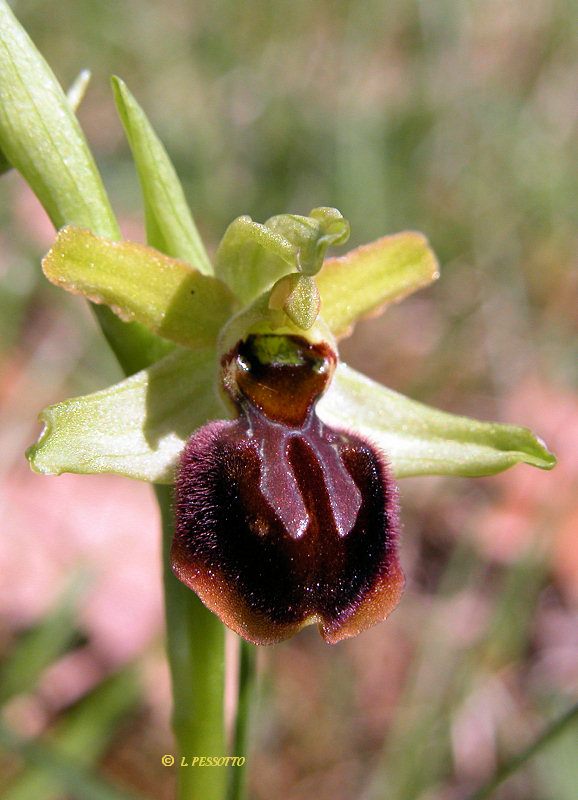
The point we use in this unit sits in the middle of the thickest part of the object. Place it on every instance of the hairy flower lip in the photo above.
(281, 520)
(236, 553)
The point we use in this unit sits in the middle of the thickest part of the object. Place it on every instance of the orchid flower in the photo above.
(284, 459)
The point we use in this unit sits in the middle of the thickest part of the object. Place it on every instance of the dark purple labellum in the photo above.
(281, 520)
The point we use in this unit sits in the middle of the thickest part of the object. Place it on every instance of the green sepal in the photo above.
(420, 440)
(170, 225)
(252, 256)
(136, 428)
(366, 279)
(139, 283)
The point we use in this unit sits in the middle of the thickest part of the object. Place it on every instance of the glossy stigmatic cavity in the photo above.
(280, 519)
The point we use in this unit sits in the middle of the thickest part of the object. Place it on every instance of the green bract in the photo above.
(139, 427)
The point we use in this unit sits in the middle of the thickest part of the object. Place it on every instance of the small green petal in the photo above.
(168, 296)
(334, 227)
(419, 440)
(366, 279)
(312, 235)
(136, 428)
(298, 296)
(170, 225)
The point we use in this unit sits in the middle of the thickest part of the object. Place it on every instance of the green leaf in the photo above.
(251, 256)
(562, 724)
(170, 225)
(366, 279)
(419, 440)
(41, 137)
(48, 771)
(77, 89)
(74, 95)
(168, 296)
(135, 428)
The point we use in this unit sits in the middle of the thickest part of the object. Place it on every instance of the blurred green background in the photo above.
(458, 119)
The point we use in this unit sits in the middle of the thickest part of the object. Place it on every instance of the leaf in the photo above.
(135, 428)
(419, 440)
(561, 725)
(170, 225)
(41, 137)
(366, 279)
(74, 95)
(168, 296)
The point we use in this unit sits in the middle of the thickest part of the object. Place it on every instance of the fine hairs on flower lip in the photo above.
(280, 520)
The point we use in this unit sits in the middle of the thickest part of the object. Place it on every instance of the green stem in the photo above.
(245, 696)
(196, 645)
(509, 767)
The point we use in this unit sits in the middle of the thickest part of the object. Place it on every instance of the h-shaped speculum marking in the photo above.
(279, 485)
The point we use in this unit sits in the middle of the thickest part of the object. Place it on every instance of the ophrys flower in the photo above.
(286, 506)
